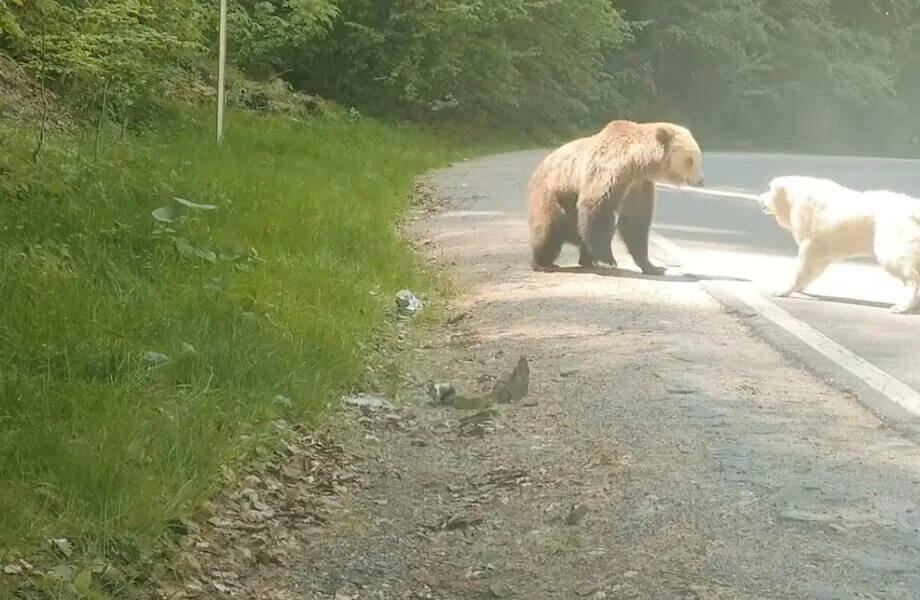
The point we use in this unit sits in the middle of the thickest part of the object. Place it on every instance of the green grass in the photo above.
(95, 444)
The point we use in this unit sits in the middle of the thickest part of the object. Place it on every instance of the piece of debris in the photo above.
(441, 393)
(12, 570)
(407, 302)
(62, 546)
(155, 359)
(512, 386)
(368, 403)
(576, 514)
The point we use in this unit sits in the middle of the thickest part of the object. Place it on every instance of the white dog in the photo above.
(831, 222)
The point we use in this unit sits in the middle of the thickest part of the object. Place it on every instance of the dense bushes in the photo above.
(840, 75)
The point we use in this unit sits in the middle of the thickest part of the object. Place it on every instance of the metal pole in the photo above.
(221, 69)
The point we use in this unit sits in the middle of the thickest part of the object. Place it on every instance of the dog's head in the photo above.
(776, 202)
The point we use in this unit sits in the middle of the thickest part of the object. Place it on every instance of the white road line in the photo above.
(892, 388)
(709, 192)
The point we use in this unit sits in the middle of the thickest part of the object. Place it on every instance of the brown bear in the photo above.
(588, 188)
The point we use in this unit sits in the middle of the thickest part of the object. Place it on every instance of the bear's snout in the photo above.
(700, 182)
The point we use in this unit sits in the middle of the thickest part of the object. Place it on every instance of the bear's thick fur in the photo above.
(831, 222)
(591, 187)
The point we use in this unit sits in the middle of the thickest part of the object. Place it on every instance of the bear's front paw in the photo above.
(544, 268)
(651, 269)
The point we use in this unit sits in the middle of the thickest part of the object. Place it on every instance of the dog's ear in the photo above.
(664, 135)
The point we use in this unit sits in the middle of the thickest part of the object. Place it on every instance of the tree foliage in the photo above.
(828, 74)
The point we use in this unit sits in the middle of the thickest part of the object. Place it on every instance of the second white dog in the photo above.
(831, 222)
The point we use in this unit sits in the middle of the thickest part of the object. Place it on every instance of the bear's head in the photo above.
(683, 160)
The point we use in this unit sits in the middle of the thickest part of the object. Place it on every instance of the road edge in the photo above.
(802, 354)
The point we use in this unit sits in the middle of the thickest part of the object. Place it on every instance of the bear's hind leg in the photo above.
(585, 259)
(596, 222)
(546, 245)
(635, 222)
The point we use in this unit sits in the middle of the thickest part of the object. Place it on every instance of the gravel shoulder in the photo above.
(662, 450)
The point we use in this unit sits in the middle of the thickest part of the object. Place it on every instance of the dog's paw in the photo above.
(782, 292)
(901, 309)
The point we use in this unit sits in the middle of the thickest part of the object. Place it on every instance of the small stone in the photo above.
(12, 570)
(441, 393)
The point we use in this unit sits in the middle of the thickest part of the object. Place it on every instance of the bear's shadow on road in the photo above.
(630, 274)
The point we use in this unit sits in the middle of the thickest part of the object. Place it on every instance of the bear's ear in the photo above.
(664, 135)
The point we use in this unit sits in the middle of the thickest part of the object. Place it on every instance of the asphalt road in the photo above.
(733, 238)
(734, 472)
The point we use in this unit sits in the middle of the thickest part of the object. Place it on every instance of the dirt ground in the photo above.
(662, 451)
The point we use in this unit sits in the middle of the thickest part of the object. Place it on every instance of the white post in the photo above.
(222, 65)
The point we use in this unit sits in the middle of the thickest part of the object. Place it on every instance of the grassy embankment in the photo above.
(138, 356)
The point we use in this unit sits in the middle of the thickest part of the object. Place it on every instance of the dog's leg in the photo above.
(911, 300)
(812, 262)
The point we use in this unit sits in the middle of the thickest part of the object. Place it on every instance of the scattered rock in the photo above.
(576, 514)
(407, 303)
(441, 393)
(512, 386)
